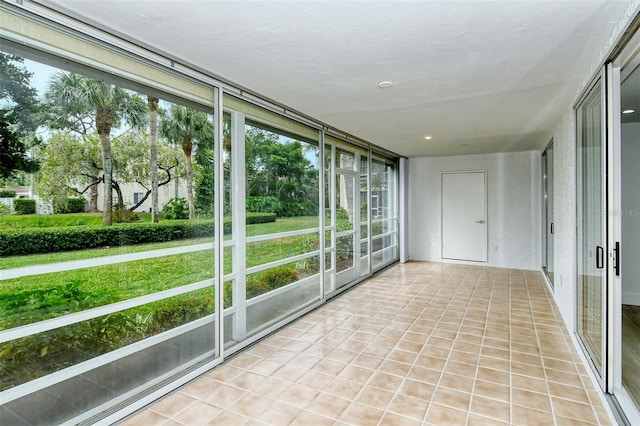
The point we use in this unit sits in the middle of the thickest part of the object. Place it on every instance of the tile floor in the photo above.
(421, 343)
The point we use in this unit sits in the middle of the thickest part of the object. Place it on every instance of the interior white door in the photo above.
(464, 216)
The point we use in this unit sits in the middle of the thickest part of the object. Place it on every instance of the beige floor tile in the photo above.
(298, 395)
(272, 387)
(385, 381)
(427, 375)
(494, 376)
(279, 413)
(392, 419)
(291, 373)
(173, 404)
(329, 405)
(490, 408)
(198, 414)
(534, 400)
(224, 373)
(200, 388)
(432, 362)
(476, 420)
(444, 345)
(461, 369)
(247, 380)
(251, 405)
(394, 367)
(573, 410)
(309, 418)
(343, 388)
(452, 398)
(358, 414)
(374, 397)
(417, 389)
(409, 407)
(529, 383)
(314, 380)
(224, 396)
(227, 418)
(568, 392)
(355, 374)
(441, 415)
(146, 418)
(492, 391)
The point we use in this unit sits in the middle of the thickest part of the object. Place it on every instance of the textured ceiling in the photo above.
(478, 76)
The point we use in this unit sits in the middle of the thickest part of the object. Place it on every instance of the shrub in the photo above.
(7, 193)
(292, 208)
(176, 208)
(171, 313)
(125, 216)
(270, 279)
(24, 206)
(263, 204)
(71, 205)
(52, 239)
(4, 210)
(342, 213)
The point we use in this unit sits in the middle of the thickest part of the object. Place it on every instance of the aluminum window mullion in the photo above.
(218, 200)
(265, 266)
(266, 237)
(50, 268)
(238, 214)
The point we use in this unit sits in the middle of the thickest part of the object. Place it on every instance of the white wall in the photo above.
(564, 183)
(513, 192)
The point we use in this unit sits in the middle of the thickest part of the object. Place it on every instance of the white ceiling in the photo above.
(479, 76)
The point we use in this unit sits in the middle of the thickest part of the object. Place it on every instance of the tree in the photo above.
(281, 169)
(72, 99)
(13, 153)
(133, 163)
(188, 128)
(153, 154)
(18, 108)
(70, 165)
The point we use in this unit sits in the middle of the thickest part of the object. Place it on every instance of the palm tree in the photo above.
(153, 135)
(187, 127)
(72, 98)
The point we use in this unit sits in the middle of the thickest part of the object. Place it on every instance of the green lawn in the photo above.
(47, 221)
(35, 298)
(24, 300)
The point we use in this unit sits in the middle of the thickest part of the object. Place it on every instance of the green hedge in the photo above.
(24, 206)
(71, 205)
(46, 240)
(7, 193)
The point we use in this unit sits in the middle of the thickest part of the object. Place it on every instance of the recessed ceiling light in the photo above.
(628, 111)
(428, 138)
(385, 84)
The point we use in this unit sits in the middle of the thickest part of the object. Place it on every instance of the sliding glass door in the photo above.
(591, 222)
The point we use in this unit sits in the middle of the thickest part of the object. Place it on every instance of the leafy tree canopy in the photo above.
(18, 108)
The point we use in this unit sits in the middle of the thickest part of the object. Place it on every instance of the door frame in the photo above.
(485, 236)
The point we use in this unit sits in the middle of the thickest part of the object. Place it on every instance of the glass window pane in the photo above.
(122, 209)
(591, 271)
